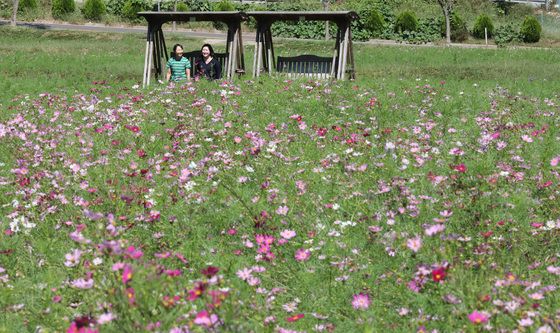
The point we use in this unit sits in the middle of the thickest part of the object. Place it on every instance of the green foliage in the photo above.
(482, 22)
(374, 21)
(132, 7)
(115, 7)
(506, 34)
(531, 29)
(406, 21)
(27, 5)
(459, 31)
(60, 8)
(199, 5)
(222, 6)
(94, 9)
(519, 11)
(182, 7)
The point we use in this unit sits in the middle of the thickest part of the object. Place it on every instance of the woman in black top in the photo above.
(206, 65)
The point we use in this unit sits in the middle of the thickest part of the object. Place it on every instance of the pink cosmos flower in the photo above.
(203, 318)
(131, 295)
(288, 234)
(282, 210)
(105, 318)
(434, 229)
(82, 325)
(134, 253)
(73, 258)
(555, 161)
(244, 273)
(478, 317)
(461, 168)
(361, 301)
(414, 244)
(82, 283)
(302, 254)
(126, 274)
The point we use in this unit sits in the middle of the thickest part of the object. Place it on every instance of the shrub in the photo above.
(222, 6)
(182, 7)
(115, 7)
(483, 21)
(61, 8)
(132, 7)
(531, 29)
(26, 5)
(199, 5)
(506, 34)
(374, 21)
(406, 21)
(459, 31)
(94, 9)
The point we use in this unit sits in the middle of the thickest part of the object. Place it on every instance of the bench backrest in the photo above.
(306, 65)
(220, 57)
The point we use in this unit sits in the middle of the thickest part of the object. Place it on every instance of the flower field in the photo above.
(402, 205)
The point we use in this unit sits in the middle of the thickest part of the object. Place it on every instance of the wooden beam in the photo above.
(345, 53)
(144, 79)
(150, 59)
(351, 55)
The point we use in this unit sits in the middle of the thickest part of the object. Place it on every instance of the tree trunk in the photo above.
(447, 13)
(14, 13)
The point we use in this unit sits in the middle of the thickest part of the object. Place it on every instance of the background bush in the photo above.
(374, 22)
(132, 7)
(94, 9)
(27, 5)
(406, 21)
(60, 8)
(506, 34)
(222, 6)
(531, 29)
(199, 5)
(459, 31)
(115, 7)
(483, 21)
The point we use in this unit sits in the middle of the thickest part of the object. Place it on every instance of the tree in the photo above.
(447, 8)
(14, 13)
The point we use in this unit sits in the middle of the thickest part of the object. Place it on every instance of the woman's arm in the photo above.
(168, 74)
(188, 72)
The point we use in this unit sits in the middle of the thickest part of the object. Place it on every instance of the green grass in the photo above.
(218, 160)
(34, 61)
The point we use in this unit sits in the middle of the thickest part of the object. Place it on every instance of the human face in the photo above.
(179, 51)
(205, 52)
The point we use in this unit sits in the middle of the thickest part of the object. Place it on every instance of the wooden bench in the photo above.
(220, 57)
(305, 66)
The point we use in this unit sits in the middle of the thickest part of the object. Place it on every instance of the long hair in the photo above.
(209, 49)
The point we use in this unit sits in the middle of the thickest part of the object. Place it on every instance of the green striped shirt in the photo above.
(178, 68)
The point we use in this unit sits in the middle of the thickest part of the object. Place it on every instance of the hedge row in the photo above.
(378, 19)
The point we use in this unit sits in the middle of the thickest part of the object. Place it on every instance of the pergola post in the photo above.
(264, 58)
(156, 50)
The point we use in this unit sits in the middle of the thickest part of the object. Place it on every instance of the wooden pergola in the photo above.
(264, 60)
(156, 51)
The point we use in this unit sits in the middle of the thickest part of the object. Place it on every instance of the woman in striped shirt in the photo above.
(178, 67)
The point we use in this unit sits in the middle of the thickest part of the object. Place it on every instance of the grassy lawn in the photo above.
(420, 197)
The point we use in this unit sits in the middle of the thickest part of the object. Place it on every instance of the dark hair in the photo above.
(176, 46)
(209, 49)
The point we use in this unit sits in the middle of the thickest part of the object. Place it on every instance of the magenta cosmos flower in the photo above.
(302, 255)
(478, 317)
(361, 301)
